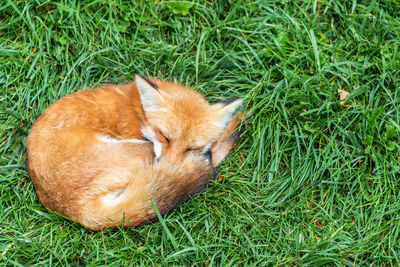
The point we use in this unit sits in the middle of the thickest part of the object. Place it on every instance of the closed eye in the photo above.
(193, 149)
(166, 139)
(202, 150)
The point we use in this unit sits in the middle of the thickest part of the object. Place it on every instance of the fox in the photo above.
(103, 157)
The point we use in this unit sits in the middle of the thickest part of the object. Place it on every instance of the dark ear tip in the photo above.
(230, 100)
(148, 81)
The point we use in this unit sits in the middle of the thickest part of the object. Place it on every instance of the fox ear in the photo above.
(150, 98)
(229, 108)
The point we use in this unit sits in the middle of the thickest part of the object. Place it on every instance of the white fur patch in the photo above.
(113, 198)
(58, 126)
(109, 139)
(150, 135)
(206, 148)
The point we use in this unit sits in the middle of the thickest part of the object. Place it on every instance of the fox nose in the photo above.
(208, 156)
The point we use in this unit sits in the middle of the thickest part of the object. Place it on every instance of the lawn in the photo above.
(313, 179)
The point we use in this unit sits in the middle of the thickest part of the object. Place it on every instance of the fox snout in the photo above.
(208, 156)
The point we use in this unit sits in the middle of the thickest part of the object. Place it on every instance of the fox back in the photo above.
(100, 156)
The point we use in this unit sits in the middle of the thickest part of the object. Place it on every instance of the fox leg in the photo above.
(223, 145)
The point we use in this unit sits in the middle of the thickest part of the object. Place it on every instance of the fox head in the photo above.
(179, 120)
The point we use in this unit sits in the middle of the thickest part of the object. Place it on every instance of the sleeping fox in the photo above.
(101, 156)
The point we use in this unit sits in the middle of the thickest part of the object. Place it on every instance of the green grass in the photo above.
(310, 182)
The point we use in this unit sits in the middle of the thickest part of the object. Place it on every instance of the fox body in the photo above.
(100, 156)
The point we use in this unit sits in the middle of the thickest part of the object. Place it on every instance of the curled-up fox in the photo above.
(100, 156)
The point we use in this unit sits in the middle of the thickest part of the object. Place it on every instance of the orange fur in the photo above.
(89, 159)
